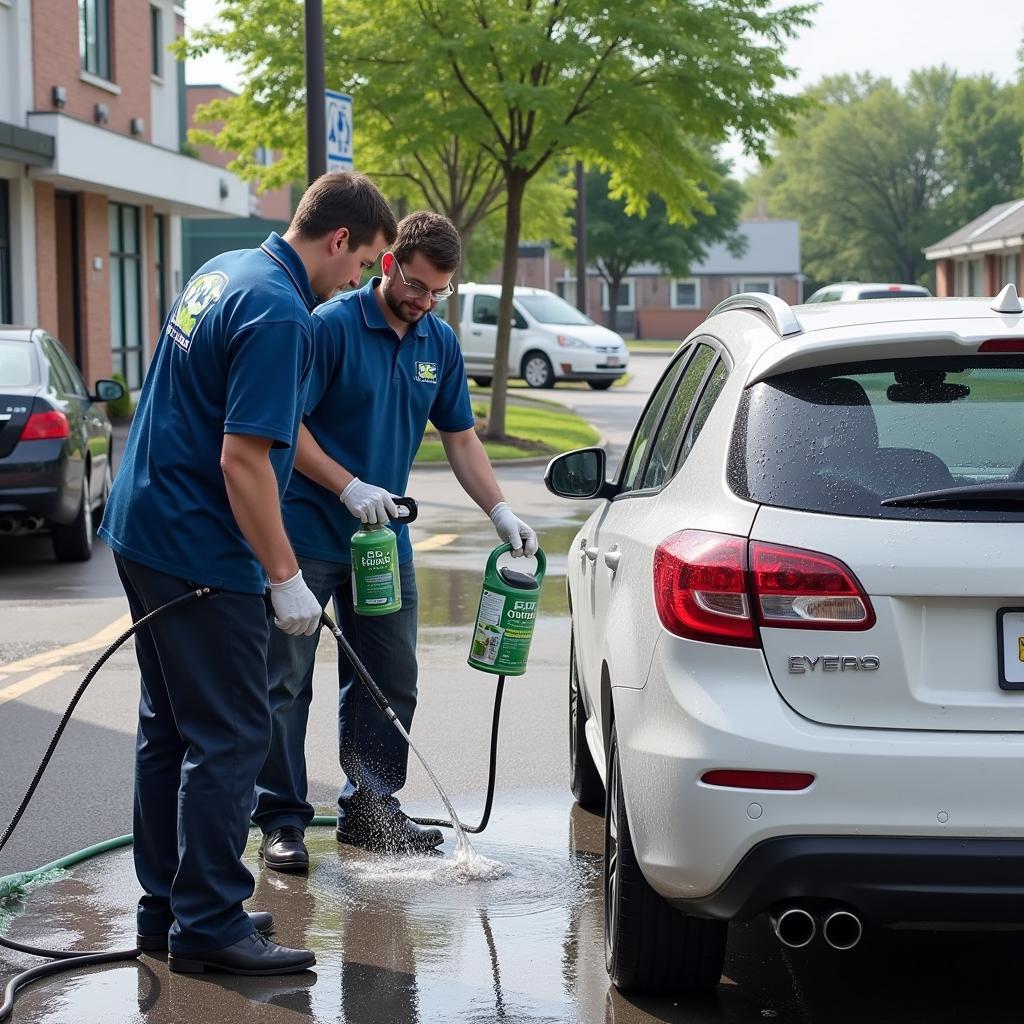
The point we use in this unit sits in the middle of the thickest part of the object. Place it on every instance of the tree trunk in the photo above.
(451, 310)
(515, 188)
(613, 302)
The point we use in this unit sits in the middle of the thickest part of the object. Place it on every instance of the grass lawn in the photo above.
(534, 430)
(652, 345)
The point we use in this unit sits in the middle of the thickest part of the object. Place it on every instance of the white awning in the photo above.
(94, 159)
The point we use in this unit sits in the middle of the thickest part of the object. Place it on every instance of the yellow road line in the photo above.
(16, 690)
(98, 640)
(438, 540)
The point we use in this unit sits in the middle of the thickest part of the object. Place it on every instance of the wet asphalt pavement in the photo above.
(404, 941)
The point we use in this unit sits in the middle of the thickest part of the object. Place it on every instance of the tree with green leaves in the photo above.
(874, 173)
(617, 241)
(628, 87)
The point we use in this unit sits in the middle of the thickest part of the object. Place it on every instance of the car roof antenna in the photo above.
(1008, 301)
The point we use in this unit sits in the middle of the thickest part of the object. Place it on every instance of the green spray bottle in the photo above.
(376, 584)
(505, 616)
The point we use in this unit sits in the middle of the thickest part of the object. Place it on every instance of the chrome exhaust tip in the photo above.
(842, 929)
(794, 927)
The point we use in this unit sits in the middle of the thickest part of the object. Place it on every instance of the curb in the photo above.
(533, 460)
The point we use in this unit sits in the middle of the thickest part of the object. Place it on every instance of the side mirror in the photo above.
(109, 390)
(579, 474)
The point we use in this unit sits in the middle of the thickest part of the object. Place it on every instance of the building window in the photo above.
(625, 295)
(94, 36)
(756, 284)
(1011, 271)
(6, 314)
(565, 288)
(686, 294)
(975, 277)
(126, 292)
(160, 262)
(156, 36)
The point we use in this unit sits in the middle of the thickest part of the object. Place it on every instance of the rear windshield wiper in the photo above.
(1000, 493)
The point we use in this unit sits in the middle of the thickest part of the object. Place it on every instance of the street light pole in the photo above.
(316, 115)
(581, 240)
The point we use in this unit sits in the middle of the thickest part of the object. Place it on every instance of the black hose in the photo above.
(71, 959)
(382, 702)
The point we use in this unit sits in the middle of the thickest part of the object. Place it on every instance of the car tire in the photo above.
(73, 542)
(484, 382)
(600, 385)
(537, 370)
(650, 947)
(584, 780)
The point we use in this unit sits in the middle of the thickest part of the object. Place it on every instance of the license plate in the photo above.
(613, 360)
(1010, 638)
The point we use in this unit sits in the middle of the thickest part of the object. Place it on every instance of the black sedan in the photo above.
(55, 443)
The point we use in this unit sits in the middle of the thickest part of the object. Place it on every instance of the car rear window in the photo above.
(17, 364)
(843, 439)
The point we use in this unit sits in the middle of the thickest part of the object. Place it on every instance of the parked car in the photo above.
(849, 291)
(55, 443)
(796, 678)
(551, 340)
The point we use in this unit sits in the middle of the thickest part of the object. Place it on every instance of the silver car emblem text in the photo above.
(800, 663)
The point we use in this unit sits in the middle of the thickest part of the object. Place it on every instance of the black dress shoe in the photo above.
(386, 829)
(253, 955)
(283, 850)
(261, 921)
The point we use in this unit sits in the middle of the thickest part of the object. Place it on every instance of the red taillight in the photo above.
(710, 586)
(1002, 345)
(46, 426)
(735, 779)
(806, 590)
(700, 587)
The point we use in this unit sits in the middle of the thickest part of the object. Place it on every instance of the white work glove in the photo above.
(369, 503)
(296, 610)
(512, 529)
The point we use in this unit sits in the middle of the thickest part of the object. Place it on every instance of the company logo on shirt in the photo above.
(426, 372)
(196, 301)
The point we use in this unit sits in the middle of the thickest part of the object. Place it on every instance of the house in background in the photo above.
(982, 256)
(655, 305)
(202, 239)
(93, 185)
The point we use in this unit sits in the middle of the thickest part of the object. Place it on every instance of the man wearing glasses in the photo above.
(385, 366)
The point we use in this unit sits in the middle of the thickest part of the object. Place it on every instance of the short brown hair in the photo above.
(432, 234)
(344, 199)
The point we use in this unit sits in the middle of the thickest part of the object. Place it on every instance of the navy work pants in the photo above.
(371, 752)
(204, 730)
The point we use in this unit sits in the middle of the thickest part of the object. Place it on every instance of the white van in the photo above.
(551, 340)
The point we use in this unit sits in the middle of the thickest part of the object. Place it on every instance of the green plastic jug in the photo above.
(376, 584)
(505, 616)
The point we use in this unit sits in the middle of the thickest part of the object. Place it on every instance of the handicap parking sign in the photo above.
(339, 130)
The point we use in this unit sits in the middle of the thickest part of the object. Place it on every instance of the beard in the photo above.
(405, 311)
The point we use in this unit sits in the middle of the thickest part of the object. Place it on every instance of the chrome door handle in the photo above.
(611, 559)
(478, 333)
(591, 554)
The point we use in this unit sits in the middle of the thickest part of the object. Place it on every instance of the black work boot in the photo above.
(254, 955)
(283, 849)
(383, 828)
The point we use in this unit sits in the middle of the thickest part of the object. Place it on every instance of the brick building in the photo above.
(268, 211)
(653, 304)
(982, 256)
(92, 181)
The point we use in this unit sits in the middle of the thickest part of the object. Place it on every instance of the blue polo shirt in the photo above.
(369, 400)
(233, 358)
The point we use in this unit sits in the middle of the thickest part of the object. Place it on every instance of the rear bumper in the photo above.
(886, 879)
(38, 479)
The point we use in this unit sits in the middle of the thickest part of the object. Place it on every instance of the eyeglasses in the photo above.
(417, 291)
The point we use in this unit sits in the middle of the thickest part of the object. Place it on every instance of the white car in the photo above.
(851, 291)
(551, 340)
(797, 658)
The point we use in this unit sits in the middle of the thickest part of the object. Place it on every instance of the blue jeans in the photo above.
(371, 752)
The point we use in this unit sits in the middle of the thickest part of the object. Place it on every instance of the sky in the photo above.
(890, 38)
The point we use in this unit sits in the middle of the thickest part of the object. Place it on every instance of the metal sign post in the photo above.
(316, 161)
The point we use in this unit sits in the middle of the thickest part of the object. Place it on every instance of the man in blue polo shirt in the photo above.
(385, 366)
(196, 503)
